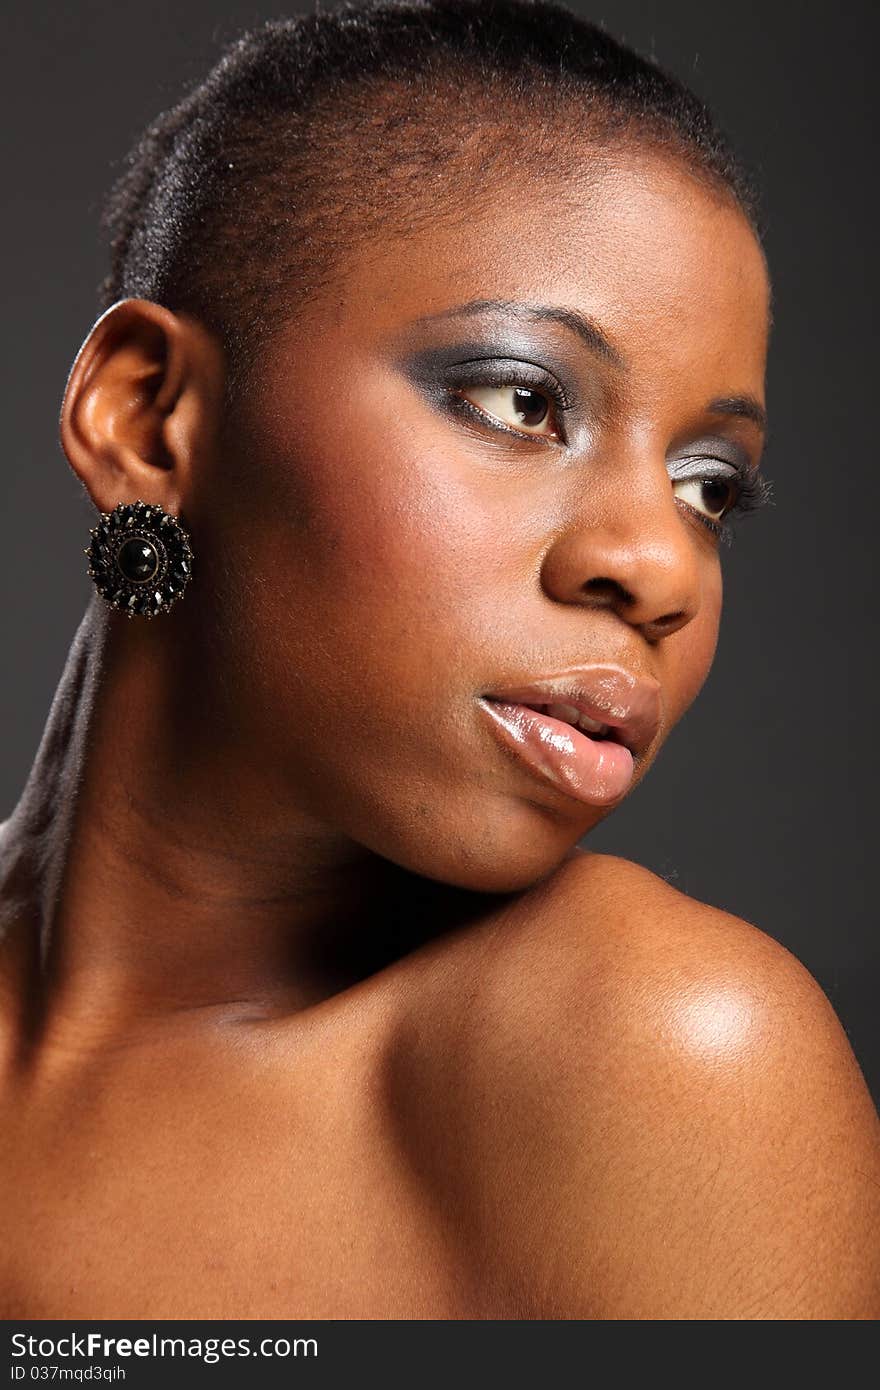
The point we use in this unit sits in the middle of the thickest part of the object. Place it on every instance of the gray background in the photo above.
(762, 802)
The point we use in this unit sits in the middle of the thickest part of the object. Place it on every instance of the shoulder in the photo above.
(698, 1139)
(623, 948)
(685, 971)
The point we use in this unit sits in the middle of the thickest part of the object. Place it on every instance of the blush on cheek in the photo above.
(408, 534)
(689, 654)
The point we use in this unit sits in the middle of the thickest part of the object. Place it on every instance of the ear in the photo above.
(141, 407)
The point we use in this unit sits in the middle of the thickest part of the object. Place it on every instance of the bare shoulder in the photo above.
(696, 1137)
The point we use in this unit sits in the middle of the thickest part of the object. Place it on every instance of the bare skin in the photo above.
(309, 1004)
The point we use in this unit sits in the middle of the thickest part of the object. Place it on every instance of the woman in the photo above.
(415, 432)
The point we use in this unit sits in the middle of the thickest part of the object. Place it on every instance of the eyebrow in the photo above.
(584, 327)
(743, 407)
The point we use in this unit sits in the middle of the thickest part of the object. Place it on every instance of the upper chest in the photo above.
(172, 1181)
(388, 1160)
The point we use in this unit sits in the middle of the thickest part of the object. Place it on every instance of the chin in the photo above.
(505, 848)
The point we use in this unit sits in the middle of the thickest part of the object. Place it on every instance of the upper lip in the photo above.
(627, 703)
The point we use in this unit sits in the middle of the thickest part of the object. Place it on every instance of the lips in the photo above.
(590, 767)
(628, 704)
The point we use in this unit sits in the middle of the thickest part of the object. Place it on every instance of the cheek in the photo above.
(366, 579)
(688, 654)
(366, 632)
(390, 552)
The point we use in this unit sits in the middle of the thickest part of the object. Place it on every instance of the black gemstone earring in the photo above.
(139, 559)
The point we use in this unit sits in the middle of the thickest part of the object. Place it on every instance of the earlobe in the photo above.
(128, 379)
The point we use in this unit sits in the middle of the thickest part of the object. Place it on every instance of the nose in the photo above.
(626, 546)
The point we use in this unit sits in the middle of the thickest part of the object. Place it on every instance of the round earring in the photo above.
(140, 559)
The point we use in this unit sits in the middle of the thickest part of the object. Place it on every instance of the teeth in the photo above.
(571, 715)
(566, 712)
(592, 724)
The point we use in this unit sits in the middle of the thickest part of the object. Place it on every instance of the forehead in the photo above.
(668, 268)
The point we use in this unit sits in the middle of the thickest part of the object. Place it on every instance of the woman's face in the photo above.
(411, 521)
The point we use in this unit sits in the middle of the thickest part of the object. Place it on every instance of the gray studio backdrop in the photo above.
(762, 801)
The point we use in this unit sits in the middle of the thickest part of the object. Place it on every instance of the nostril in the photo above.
(610, 589)
(664, 627)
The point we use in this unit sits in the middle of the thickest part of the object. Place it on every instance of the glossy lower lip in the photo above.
(605, 691)
(593, 771)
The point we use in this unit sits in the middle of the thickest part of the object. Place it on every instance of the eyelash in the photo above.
(534, 380)
(753, 489)
(753, 492)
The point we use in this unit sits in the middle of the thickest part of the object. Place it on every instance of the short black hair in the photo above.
(239, 203)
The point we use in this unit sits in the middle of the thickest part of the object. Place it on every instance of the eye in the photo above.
(711, 497)
(523, 409)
